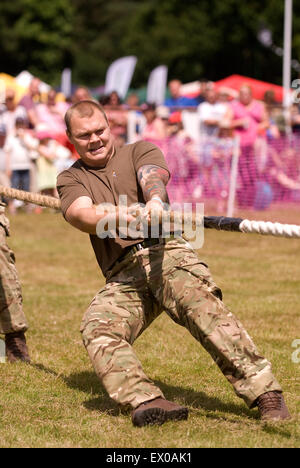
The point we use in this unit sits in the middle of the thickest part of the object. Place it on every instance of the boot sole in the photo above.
(158, 416)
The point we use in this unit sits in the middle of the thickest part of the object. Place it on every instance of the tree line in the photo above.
(196, 39)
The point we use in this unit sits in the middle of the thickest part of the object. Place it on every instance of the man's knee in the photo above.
(103, 327)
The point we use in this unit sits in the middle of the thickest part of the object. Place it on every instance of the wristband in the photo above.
(158, 199)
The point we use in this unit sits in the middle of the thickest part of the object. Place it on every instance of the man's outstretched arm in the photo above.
(84, 215)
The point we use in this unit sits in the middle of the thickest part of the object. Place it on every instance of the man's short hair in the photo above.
(84, 108)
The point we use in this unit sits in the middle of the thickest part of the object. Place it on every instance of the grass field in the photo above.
(57, 401)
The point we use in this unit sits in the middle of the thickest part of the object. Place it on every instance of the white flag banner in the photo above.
(156, 87)
(66, 82)
(119, 75)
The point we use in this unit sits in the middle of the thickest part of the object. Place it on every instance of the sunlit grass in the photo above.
(57, 401)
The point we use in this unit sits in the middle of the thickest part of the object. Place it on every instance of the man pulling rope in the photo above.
(147, 275)
(213, 222)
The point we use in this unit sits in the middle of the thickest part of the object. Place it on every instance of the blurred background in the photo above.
(213, 84)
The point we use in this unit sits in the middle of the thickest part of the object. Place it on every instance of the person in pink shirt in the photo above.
(248, 119)
(156, 127)
(51, 115)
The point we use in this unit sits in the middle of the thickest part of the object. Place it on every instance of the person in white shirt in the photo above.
(18, 150)
(11, 112)
(210, 113)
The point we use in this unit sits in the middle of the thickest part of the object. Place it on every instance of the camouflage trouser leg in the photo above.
(12, 318)
(190, 296)
(172, 278)
(119, 313)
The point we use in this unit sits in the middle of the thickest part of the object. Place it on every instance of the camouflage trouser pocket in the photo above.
(199, 270)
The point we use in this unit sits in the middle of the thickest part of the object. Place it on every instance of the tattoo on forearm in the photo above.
(153, 180)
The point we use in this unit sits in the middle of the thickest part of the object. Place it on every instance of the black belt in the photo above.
(139, 246)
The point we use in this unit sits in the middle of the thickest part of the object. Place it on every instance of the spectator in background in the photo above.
(222, 156)
(117, 118)
(132, 102)
(4, 179)
(11, 112)
(155, 128)
(30, 101)
(50, 116)
(248, 119)
(18, 159)
(81, 94)
(52, 159)
(177, 101)
(275, 115)
(295, 119)
(211, 112)
(183, 162)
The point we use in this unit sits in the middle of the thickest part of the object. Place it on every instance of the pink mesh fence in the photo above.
(268, 173)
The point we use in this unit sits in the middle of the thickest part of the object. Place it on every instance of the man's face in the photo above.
(10, 99)
(245, 95)
(34, 87)
(174, 87)
(211, 96)
(92, 138)
(81, 94)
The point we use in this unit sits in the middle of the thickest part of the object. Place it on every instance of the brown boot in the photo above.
(272, 407)
(157, 411)
(16, 348)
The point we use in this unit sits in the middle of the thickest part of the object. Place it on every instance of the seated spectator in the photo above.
(30, 101)
(81, 94)
(51, 116)
(11, 111)
(156, 127)
(211, 112)
(177, 101)
(117, 118)
(18, 158)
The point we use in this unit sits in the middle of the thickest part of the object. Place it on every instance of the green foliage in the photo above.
(35, 35)
(194, 38)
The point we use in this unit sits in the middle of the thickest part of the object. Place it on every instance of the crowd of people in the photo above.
(197, 135)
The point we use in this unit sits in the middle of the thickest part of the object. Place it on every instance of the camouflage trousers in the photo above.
(167, 277)
(12, 318)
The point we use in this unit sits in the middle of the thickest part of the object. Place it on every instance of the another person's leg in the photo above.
(13, 323)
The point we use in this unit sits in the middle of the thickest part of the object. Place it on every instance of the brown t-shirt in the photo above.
(105, 185)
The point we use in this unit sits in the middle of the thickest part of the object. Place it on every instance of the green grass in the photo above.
(57, 401)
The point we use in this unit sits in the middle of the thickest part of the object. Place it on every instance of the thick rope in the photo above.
(36, 198)
(271, 229)
(220, 223)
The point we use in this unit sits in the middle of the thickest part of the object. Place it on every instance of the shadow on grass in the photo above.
(88, 383)
(201, 400)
